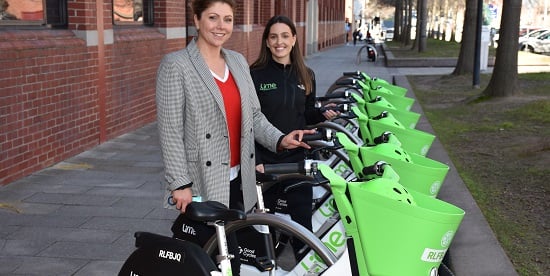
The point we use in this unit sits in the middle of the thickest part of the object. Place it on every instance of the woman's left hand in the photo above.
(329, 113)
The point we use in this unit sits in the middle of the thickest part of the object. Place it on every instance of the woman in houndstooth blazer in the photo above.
(192, 119)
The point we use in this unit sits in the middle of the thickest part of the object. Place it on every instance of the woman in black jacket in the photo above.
(286, 90)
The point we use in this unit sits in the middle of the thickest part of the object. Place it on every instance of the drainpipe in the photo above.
(101, 87)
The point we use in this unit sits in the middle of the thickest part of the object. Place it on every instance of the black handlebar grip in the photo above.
(377, 99)
(284, 168)
(346, 82)
(334, 95)
(382, 115)
(340, 108)
(352, 74)
(321, 134)
(377, 168)
(325, 108)
(383, 138)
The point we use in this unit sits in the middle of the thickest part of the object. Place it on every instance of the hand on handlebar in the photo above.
(260, 168)
(330, 113)
(294, 139)
(182, 198)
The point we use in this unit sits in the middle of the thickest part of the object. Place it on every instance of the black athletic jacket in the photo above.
(286, 106)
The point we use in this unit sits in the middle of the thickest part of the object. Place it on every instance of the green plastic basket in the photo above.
(400, 102)
(396, 90)
(399, 238)
(412, 140)
(408, 119)
(416, 172)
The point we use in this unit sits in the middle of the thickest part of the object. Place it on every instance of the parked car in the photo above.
(531, 35)
(388, 34)
(537, 44)
(542, 43)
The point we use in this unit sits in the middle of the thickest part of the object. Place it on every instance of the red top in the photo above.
(232, 103)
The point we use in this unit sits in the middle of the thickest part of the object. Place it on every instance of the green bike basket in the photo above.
(396, 90)
(412, 140)
(402, 239)
(408, 119)
(416, 172)
(402, 103)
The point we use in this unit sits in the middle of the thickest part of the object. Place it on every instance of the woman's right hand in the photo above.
(182, 198)
(260, 168)
(294, 139)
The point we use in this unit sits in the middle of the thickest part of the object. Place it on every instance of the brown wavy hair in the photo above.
(198, 6)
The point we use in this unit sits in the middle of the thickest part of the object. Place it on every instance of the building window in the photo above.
(33, 12)
(132, 12)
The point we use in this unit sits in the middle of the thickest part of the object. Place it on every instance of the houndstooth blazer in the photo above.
(193, 130)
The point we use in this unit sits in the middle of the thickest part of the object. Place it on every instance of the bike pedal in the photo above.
(264, 264)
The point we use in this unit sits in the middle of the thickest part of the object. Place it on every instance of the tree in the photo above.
(398, 20)
(403, 19)
(465, 62)
(422, 22)
(504, 80)
(407, 33)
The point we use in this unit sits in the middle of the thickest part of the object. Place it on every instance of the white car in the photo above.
(537, 43)
(388, 34)
(531, 34)
(542, 43)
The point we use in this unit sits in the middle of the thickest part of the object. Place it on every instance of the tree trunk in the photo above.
(504, 80)
(398, 21)
(409, 19)
(423, 22)
(465, 62)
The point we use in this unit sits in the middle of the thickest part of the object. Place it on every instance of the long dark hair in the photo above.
(304, 74)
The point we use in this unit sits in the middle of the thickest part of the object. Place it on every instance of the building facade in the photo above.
(76, 73)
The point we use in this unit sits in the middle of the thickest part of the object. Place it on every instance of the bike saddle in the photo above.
(212, 211)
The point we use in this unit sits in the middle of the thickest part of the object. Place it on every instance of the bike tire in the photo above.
(281, 224)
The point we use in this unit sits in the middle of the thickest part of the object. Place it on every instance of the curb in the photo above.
(391, 61)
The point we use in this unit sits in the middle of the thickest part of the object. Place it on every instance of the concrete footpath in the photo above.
(78, 216)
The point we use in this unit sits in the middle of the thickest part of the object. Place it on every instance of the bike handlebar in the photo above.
(377, 168)
(352, 74)
(346, 82)
(383, 138)
(285, 168)
(344, 107)
(382, 115)
(320, 134)
(304, 167)
(335, 95)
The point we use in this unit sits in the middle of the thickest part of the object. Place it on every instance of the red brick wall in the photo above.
(56, 101)
(48, 103)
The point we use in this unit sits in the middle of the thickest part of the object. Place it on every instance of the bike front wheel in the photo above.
(282, 225)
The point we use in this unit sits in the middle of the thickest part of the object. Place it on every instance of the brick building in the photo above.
(70, 80)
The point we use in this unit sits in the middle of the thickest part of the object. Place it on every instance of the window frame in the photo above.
(147, 15)
(54, 16)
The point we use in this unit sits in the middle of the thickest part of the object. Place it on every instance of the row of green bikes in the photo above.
(375, 211)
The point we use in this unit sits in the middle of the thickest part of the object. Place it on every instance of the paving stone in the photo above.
(48, 266)
(52, 234)
(100, 268)
(67, 199)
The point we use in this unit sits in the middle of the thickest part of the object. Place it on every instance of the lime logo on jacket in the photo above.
(268, 86)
